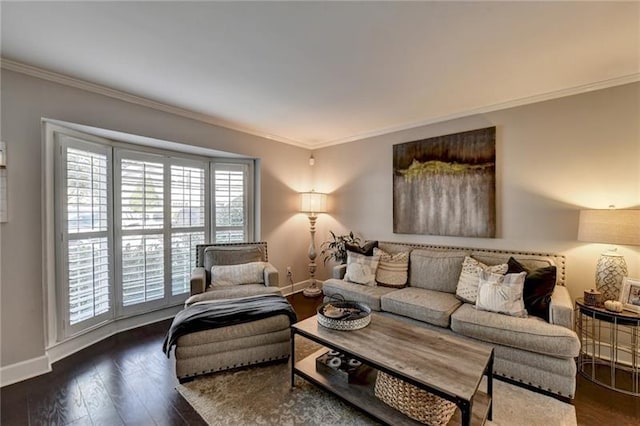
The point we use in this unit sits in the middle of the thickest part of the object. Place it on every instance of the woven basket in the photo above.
(344, 324)
(338, 324)
(416, 403)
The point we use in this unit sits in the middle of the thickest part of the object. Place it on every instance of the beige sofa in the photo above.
(238, 345)
(528, 351)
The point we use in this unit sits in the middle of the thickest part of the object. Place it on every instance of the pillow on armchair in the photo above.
(245, 273)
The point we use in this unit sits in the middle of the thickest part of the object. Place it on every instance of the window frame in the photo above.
(55, 280)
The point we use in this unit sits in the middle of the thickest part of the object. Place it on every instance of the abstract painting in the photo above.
(446, 185)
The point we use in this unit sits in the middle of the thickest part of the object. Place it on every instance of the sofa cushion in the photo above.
(435, 269)
(361, 269)
(370, 296)
(467, 289)
(501, 293)
(433, 307)
(393, 269)
(538, 287)
(529, 334)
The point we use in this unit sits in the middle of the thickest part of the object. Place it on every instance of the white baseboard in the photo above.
(23, 370)
(64, 349)
(298, 287)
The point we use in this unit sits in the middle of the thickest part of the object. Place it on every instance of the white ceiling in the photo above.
(320, 73)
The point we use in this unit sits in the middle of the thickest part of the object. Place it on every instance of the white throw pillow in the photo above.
(244, 273)
(393, 269)
(361, 269)
(502, 293)
(467, 289)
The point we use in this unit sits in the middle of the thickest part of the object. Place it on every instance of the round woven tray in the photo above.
(359, 319)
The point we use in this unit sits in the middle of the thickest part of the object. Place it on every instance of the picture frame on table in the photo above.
(630, 294)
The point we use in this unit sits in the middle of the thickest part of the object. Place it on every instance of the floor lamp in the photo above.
(312, 203)
(614, 227)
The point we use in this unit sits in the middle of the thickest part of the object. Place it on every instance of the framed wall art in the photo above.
(446, 185)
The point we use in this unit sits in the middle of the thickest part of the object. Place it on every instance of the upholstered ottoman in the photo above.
(215, 335)
(233, 346)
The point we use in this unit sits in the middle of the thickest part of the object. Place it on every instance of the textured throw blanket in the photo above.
(221, 313)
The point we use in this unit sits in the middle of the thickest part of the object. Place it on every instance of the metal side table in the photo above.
(611, 340)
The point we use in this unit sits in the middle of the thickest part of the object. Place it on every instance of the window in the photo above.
(129, 220)
(85, 244)
(232, 219)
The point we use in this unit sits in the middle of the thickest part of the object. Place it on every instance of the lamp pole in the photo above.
(312, 290)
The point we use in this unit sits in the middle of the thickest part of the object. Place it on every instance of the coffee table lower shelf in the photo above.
(362, 395)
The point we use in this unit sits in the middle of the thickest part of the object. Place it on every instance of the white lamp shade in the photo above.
(610, 226)
(313, 202)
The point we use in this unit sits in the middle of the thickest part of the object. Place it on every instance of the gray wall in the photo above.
(25, 100)
(553, 158)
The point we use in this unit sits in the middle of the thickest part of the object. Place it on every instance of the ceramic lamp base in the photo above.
(610, 272)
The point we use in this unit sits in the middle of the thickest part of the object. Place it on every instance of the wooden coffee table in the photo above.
(444, 365)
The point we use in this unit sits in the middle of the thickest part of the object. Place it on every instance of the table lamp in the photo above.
(312, 203)
(613, 226)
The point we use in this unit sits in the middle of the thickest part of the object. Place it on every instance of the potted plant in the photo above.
(335, 248)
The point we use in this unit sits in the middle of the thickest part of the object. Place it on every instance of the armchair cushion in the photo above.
(245, 273)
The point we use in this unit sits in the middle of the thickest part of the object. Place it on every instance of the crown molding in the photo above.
(604, 84)
(55, 77)
(127, 97)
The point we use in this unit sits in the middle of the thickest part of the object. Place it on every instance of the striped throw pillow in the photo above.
(393, 269)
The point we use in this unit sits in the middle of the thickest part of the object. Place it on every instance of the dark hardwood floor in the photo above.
(127, 380)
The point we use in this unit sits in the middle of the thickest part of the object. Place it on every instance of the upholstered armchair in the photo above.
(219, 258)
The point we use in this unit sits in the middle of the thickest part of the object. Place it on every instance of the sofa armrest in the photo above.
(198, 280)
(271, 276)
(561, 308)
(338, 271)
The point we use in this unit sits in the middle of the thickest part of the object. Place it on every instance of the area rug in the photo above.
(261, 395)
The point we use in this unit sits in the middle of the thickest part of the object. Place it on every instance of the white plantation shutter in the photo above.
(183, 259)
(141, 206)
(231, 202)
(89, 285)
(85, 251)
(188, 214)
(142, 186)
(142, 268)
(86, 191)
(187, 197)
